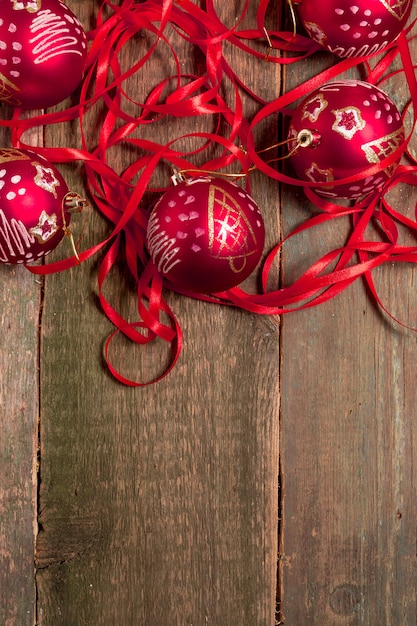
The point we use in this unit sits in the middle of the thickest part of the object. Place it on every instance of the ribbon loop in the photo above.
(125, 198)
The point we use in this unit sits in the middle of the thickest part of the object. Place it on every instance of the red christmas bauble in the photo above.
(340, 130)
(43, 49)
(206, 235)
(33, 205)
(351, 28)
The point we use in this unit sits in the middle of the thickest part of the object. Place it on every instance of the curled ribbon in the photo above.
(119, 196)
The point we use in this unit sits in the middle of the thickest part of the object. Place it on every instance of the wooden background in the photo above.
(269, 479)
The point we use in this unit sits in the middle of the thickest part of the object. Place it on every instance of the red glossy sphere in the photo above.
(43, 49)
(31, 206)
(206, 235)
(342, 129)
(351, 28)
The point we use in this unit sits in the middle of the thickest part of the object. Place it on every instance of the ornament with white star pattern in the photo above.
(43, 49)
(35, 206)
(205, 234)
(339, 131)
(354, 28)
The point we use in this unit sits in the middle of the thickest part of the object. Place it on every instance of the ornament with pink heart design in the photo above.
(353, 28)
(205, 234)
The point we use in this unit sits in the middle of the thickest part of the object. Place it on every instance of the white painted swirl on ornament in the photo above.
(15, 236)
(161, 244)
(52, 37)
(366, 49)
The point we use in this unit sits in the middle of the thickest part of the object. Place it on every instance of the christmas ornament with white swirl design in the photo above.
(205, 234)
(35, 206)
(43, 50)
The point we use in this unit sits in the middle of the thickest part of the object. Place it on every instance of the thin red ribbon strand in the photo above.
(119, 196)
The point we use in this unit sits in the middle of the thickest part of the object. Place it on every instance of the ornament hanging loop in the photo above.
(180, 176)
(72, 202)
(305, 139)
(268, 52)
(308, 139)
(293, 17)
(294, 30)
(177, 177)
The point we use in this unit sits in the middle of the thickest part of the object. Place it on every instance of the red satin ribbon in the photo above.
(118, 196)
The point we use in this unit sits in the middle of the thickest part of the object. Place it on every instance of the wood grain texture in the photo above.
(19, 355)
(160, 505)
(157, 505)
(18, 442)
(348, 545)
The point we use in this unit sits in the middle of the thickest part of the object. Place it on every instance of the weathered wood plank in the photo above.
(347, 444)
(19, 354)
(18, 444)
(157, 505)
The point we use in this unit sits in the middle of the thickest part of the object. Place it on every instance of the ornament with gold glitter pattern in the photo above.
(35, 206)
(341, 130)
(205, 234)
